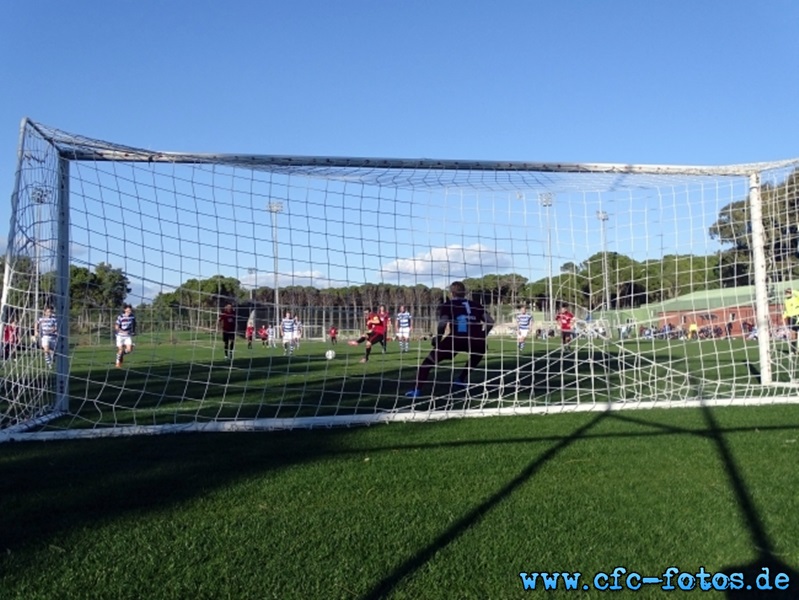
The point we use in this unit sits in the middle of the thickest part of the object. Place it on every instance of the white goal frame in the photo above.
(515, 178)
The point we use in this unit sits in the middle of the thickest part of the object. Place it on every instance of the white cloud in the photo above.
(441, 265)
(145, 292)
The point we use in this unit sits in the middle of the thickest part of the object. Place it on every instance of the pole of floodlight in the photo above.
(275, 208)
(546, 200)
(603, 217)
(39, 197)
(253, 271)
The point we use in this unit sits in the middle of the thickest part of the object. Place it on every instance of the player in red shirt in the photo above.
(566, 321)
(263, 333)
(386, 318)
(10, 340)
(375, 333)
(249, 335)
(333, 334)
(227, 323)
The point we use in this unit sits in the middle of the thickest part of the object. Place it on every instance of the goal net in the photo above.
(674, 279)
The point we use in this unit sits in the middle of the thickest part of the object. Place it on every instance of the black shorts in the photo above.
(452, 345)
(375, 338)
(228, 336)
(793, 323)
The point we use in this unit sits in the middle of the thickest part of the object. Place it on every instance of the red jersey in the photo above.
(228, 321)
(263, 333)
(333, 332)
(565, 320)
(10, 334)
(250, 331)
(375, 323)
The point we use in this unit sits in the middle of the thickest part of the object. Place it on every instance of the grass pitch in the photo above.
(436, 510)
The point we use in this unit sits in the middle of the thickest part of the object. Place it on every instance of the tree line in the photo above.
(626, 282)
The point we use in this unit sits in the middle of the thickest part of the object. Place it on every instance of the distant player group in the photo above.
(463, 327)
(289, 331)
(378, 328)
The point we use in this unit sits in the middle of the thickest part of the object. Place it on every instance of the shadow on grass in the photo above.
(385, 587)
(748, 579)
(52, 488)
(767, 564)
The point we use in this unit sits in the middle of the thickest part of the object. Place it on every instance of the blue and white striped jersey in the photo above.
(288, 325)
(48, 325)
(524, 320)
(404, 319)
(126, 324)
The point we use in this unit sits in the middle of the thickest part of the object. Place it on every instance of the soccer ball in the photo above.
(330, 355)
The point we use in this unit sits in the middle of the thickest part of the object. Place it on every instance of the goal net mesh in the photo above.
(658, 265)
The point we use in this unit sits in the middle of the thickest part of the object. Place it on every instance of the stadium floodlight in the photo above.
(183, 226)
(603, 218)
(39, 196)
(546, 200)
(253, 271)
(274, 209)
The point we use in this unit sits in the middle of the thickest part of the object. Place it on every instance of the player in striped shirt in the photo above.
(287, 327)
(125, 329)
(523, 322)
(46, 330)
(404, 325)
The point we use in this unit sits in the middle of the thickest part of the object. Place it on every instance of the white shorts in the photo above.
(124, 340)
(48, 341)
(523, 333)
(288, 338)
(404, 333)
(297, 335)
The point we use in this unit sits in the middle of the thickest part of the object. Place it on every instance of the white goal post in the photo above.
(678, 279)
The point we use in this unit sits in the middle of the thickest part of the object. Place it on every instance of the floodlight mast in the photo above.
(546, 200)
(275, 208)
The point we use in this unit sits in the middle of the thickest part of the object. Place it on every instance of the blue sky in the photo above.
(671, 82)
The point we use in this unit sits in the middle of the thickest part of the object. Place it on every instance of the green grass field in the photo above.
(168, 380)
(178, 379)
(454, 509)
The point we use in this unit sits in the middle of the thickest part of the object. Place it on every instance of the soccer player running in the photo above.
(227, 323)
(249, 334)
(565, 320)
(790, 318)
(333, 332)
(46, 330)
(403, 329)
(523, 322)
(469, 325)
(375, 333)
(125, 329)
(287, 326)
